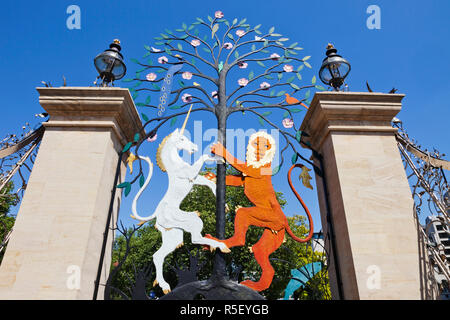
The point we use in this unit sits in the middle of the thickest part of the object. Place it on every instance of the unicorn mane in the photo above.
(159, 161)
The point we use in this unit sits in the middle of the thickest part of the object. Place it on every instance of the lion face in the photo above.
(260, 149)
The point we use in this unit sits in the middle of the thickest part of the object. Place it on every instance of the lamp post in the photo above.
(334, 68)
(110, 65)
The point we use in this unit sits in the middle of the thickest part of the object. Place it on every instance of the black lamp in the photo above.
(334, 68)
(109, 64)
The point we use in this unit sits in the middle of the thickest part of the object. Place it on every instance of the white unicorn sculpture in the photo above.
(170, 219)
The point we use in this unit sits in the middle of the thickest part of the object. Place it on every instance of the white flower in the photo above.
(288, 123)
(151, 76)
(156, 50)
(218, 14)
(228, 45)
(195, 42)
(153, 138)
(274, 56)
(163, 59)
(187, 75)
(214, 94)
(186, 97)
(288, 68)
(264, 85)
(242, 82)
(242, 65)
(240, 33)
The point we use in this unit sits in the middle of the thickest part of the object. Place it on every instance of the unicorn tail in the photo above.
(133, 206)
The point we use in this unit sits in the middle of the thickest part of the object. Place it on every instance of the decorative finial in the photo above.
(116, 41)
(330, 46)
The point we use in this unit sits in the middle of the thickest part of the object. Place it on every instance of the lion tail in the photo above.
(311, 224)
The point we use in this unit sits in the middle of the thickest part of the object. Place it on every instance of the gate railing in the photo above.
(430, 192)
(17, 154)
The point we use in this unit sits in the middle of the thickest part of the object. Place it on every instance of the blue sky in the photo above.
(409, 52)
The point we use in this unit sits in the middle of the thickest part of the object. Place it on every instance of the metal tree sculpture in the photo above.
(262, 68)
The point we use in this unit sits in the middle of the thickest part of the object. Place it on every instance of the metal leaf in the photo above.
(214, 30)
(305, 177)
(144, 116)
(141, 180)
(127, 147)
(127, 190)
(294, 158)
(122, 185)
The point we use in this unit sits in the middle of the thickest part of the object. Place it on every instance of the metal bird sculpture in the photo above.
(393, 90)
(292, 100)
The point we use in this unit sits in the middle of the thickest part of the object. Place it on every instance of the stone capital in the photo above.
(92, 107)
(349, 112)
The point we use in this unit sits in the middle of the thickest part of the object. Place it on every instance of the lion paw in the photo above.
(225, 249)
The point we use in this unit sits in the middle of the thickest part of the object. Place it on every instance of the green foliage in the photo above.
(147, 240)
(7, 200)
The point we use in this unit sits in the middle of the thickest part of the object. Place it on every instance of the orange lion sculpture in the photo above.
(256, 178)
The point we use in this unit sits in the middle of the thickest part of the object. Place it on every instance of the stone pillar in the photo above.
(59, 229)
(371, 206)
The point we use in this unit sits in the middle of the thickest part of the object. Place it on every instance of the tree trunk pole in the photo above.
(219, 269)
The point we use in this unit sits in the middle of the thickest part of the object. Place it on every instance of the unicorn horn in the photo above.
(185, 120)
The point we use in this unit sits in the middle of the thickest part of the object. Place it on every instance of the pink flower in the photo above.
(240, 33)
(195, 42)
(228, 45)
(214, 94)
(274, 56)
(242, 82)
(153, 138)
(288, 68)
(151, 76)
(288, 123)
(187, 75)
(163, 59)
(186, 97)
(264, 85)
(242, 65)
(218, 14)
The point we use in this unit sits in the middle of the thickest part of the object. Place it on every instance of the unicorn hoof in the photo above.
(212, 249)
(166, 291)
(155, 283)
